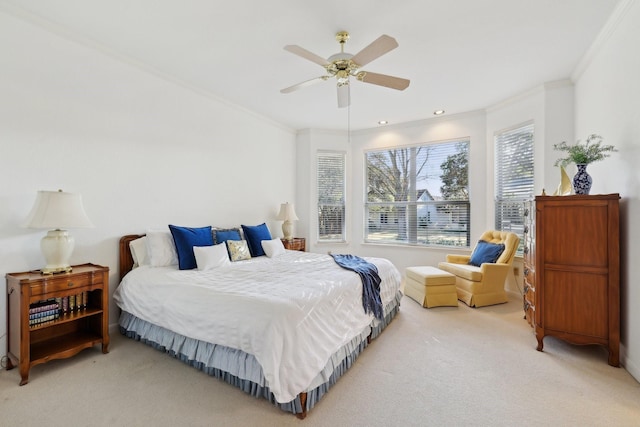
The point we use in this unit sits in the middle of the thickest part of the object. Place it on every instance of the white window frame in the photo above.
(398, 222)
(337, 225)
(514, 176)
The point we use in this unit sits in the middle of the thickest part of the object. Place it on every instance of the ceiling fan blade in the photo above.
(376, 49)
(300, 51)
(344, 95)
(383, 80)
(304, 84)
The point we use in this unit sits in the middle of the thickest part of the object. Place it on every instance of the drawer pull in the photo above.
(70, 284)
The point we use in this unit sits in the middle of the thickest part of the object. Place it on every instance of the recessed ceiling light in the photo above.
(438, 112)
(382, 122)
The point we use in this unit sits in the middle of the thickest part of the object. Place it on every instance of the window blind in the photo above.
(331, 196)
(418, 195)
(514, 176)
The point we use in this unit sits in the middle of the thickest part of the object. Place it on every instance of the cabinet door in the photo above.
(576, 303)
(576, 235)
(576, 267)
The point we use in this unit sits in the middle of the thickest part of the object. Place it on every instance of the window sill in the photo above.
(414, 246)
(337, 242)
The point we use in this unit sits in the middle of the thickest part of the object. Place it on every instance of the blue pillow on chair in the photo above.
(254, 236)
(486, 252)
(185, 239)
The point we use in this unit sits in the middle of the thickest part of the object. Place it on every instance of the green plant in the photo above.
(589, 152)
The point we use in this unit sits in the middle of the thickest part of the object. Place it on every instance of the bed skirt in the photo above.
(242, 369)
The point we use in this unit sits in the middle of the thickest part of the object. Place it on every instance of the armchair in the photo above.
(483, 285)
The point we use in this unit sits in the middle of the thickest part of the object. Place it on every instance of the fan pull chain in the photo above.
(349, 123)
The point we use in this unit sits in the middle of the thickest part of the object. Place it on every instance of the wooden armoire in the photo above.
(572, 269)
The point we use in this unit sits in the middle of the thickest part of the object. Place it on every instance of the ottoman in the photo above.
(431, 287)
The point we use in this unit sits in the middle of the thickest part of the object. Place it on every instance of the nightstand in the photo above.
(295, 244)
(56, 316)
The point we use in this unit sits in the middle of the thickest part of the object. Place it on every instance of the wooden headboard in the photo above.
(126, 260)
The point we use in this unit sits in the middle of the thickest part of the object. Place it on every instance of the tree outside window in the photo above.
(418, 195)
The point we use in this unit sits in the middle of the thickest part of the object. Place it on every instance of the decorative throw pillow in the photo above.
(254, 236)
(210, 257)
(238, 250)
(138, 250)
(486, 252)
(273, 248)
(185, 239)
(161, 251)
(221, 235)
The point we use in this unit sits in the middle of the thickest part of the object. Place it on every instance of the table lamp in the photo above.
(287, 214)
(57, 210)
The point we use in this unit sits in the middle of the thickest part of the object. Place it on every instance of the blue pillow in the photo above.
(221, 235)
(254, 236)
(185, 239)
(486, 252)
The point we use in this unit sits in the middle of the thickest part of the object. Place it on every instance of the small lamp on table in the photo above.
(287, 214)
(57, 211)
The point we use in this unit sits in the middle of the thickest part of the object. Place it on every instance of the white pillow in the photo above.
(273, 247)
(138, 249)
(210, 257)
(161, 250)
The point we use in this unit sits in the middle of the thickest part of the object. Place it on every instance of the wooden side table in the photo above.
(56, 316)
(295, 244)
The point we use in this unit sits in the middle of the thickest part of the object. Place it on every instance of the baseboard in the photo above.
(628, 364)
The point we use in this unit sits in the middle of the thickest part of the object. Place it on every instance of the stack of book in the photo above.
(52, 308)
(43, 311)
(73, 302)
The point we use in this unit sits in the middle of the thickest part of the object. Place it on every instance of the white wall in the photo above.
(607, 99)
(142, 151)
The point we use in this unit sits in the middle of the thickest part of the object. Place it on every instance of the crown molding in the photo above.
(618, 14)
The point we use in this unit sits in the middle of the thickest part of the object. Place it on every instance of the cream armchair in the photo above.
(484, 285)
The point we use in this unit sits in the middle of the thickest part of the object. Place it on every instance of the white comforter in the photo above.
(291, 312)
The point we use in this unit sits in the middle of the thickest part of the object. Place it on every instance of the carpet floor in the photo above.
(431, 367)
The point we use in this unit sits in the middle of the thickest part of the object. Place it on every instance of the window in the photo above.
(418, 195)
(514, 177)
(331, 196)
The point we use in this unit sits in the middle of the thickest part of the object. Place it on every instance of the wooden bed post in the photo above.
(303, 402)
(125, 259)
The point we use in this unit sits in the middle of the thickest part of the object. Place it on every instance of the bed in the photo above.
(283, 328)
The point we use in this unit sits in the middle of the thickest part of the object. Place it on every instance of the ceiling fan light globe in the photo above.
(342, 56)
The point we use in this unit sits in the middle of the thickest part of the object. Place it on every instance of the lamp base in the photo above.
(57, 247)
(55, 270)
(287, 229)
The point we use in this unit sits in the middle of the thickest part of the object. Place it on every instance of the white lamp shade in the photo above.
(287, 213)
(58, 210)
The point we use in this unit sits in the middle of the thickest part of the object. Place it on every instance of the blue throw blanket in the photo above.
(368, 273)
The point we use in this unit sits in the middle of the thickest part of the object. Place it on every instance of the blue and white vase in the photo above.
(582, 180)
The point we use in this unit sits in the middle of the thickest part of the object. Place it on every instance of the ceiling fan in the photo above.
(344, 65)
